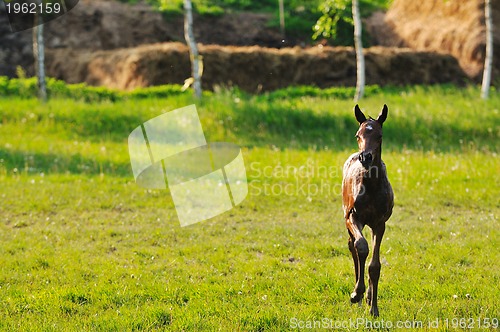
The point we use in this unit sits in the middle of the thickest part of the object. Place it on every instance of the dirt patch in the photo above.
(251, 68)
(453, 27)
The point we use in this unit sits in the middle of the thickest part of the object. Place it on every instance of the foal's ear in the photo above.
(359, 115)
(383, 115)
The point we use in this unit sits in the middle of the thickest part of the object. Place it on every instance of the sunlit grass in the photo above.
(84, 248)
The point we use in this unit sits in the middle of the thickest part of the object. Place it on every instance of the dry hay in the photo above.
(251, 68)
(453, 27)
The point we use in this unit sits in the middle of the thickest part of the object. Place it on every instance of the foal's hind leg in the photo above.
(374, 270)
(359, 252)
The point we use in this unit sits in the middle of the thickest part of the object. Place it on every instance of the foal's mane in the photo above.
(370, 118)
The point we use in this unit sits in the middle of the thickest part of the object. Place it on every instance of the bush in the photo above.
(27, 88)
(312, 91)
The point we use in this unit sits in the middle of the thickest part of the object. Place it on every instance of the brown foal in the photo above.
(367, 199)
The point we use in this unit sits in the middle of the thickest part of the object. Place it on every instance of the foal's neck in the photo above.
(376, 171)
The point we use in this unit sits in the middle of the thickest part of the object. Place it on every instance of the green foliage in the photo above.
(209, 10)
(202, 7)
(27, 88)
(311, 91)
(167, 7)
(333, 11)
(161, 91)
(211, 7)
(336, 23)
(299, 17)
(20, 72)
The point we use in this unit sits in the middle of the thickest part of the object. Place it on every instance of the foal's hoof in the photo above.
(374, 311)
(356, 297)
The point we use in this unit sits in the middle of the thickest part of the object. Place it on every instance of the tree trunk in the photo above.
(39, 55)
(488, 60)
(282, 17)
(196, 64)
(360, 59)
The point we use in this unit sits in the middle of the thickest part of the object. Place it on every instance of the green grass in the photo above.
(84, 248)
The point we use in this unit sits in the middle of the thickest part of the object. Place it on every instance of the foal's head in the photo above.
(369, 136)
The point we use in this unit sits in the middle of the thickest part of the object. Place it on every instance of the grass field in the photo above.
(82, 247)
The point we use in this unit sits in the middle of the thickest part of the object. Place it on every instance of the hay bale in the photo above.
(128, 68)
(453, 27)
(252, 68)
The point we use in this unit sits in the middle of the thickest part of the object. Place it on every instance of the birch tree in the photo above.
(281, 6)
(196, 64)
(39, 55)
(335, 11)
(488, 60)
(360, 58)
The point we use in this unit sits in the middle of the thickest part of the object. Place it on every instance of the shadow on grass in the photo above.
(305, 129)
(425, 135)
(282, 128)
(99, 125)
(14, 161)
(283, 125)
(254, 124)
(292, 128)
